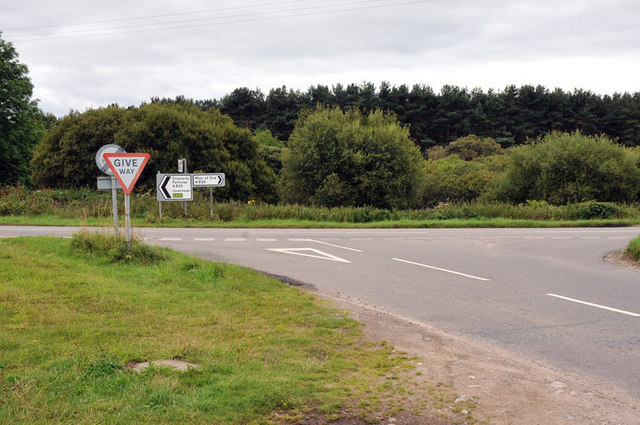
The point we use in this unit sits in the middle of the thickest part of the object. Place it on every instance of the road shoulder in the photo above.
(509, 389)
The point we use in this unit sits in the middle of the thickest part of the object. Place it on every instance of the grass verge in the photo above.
(74, 314)
(634, 248)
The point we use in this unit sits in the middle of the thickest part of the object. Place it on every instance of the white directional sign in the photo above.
(126, 167)
(174, 187)
(208, 180)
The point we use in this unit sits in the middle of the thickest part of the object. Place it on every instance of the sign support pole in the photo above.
(114, 201)
(211, 202)
(127, 212)
(126, 168)
(182, 168)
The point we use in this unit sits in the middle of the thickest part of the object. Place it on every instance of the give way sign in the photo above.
(126, 167)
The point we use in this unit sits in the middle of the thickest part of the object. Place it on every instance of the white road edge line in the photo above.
(440, 269)
(615, 310)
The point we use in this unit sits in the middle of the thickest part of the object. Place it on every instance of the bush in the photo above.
(337, 158)
(452, 179)
(570, 168)
(471, 147)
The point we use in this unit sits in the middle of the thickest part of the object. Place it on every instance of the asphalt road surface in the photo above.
(543, 293)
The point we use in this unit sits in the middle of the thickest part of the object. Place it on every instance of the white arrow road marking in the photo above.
(615, 310)
(440, 269)
(319, 254)
(325, 243)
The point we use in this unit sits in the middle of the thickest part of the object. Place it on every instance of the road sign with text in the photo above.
(174, 187)
(126, 167)
(208, 180)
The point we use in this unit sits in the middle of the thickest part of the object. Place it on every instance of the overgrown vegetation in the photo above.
(90, 207)
(73, 322)
(634, 248)
(115, 248)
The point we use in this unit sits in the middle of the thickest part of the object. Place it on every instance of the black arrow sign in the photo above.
(163, 187)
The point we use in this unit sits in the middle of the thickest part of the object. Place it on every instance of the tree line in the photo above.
(337, 157)
(510, 116)
(387, 147)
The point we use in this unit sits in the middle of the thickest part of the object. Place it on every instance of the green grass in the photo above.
(74, 313)
(634, 248)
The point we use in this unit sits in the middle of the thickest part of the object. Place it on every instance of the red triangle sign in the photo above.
(126, 167)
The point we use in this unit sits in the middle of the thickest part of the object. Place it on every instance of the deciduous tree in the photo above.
(21, 125)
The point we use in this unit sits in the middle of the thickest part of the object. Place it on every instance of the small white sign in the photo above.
(208, 180)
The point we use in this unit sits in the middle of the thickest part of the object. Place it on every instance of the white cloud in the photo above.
(587, 44)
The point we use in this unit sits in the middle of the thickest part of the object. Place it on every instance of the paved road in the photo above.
(545, 293)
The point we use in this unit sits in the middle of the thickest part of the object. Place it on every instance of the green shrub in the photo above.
(115, 248)
(337, 158)
(567, 168)
(452, 179)
(593, 210)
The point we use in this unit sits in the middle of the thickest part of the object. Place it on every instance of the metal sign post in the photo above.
(182, 168)
(209, 180)
(127, 215)
(127, 168)
(114, 202)
(104, 167)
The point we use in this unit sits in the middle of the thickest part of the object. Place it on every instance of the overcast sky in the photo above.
(90, 53)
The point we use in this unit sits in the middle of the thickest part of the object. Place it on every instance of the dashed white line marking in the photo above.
(590, 237)
(170, 239)
(204, 239)
(440, 269)
(615, 310)
(267, 240)
(235, 239)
